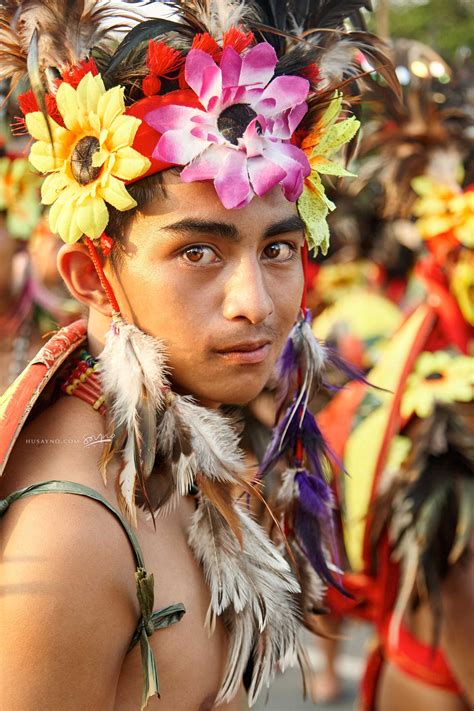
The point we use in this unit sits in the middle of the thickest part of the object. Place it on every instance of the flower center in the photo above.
(81, 160)
(233, 121)
(434, 376)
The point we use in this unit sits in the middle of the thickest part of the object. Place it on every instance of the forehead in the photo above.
(199, 201)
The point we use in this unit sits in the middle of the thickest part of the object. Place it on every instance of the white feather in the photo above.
(132, 369)
(337, 61)
(127, 479)
(213, 443)
(131, 360)
(252, 587)
(220, 15)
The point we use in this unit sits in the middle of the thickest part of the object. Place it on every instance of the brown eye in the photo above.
(279, 251)
(199, 254)
(194, 254)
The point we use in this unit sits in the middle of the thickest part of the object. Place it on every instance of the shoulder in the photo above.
(54, 446)
(68, 607)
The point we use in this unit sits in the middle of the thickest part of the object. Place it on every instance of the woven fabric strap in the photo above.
(150, 621)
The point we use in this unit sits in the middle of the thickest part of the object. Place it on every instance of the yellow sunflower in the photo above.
(441, 209)
(437, 377)
(88, 159)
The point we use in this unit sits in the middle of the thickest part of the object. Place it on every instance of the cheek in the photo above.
(168, 304)
(287, 293)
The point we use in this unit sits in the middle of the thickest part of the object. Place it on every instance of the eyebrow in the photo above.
(228, 231)
(289, 224)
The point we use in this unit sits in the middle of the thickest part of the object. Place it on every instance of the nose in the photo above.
(246, 294)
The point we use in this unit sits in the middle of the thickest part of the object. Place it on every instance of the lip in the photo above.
(246, 352)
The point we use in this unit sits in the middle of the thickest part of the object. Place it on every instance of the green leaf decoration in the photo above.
(313, 205)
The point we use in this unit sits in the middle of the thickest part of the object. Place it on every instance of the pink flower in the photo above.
(241, 138)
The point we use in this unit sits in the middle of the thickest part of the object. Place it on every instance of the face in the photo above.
(222, 288)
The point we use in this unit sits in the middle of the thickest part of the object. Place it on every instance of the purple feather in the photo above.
(282, 444)
(314, 494)
(312, 515)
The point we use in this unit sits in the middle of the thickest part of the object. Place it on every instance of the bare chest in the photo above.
(190, 663)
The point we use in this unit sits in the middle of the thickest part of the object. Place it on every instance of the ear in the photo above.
(79, 274)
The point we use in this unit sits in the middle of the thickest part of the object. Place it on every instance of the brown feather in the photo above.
(220, 496)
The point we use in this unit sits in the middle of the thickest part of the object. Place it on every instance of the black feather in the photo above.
(140, 34)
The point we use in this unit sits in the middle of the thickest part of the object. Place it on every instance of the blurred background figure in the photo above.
(33, 301)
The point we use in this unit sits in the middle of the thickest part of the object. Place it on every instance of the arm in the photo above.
(68, 606)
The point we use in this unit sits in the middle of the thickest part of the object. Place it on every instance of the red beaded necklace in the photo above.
(84, 382)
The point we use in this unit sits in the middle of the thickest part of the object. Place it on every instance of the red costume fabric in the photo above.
(19, 399)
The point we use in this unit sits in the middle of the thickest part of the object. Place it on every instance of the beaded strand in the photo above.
(84, 382)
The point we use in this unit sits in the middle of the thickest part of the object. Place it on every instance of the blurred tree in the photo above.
(445, 25)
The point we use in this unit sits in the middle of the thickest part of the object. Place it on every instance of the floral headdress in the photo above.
(213, 90)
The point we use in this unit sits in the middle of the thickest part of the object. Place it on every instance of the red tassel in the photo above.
(208, 44)
(28, 105)
(73, 75)
(237, 39)
(161, 59)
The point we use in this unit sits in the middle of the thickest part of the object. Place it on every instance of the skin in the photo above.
(70, 612)
(397, 690)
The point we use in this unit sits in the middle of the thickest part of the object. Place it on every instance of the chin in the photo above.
(240, 391)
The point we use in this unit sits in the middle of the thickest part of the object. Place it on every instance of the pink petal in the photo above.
(178, 147)
(253, 142)
(206, 166)
(294, 162)
(264, 174)
(232, 183)
(196, 62)
(211, 88)
(258, 65)
(206, 133)
(172, 117)
(285, 125)
(281, 94)
(230, 65)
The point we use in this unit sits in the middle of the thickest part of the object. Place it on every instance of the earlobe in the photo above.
(78, 272)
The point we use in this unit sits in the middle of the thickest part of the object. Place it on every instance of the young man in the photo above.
(192, 288)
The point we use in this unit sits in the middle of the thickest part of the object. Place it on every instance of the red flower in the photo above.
(237, 39)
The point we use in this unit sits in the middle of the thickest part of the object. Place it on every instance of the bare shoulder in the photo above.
(68, 607)
(63, 442)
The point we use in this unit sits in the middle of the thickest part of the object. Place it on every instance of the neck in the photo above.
(97, 327)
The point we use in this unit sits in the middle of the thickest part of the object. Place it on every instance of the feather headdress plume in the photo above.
(56, 34)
